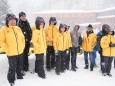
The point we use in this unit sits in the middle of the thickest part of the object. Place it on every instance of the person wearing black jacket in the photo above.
(26, 29)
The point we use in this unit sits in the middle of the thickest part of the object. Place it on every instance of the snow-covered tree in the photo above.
(4, 9)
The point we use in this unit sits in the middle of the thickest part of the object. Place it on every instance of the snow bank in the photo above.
(81, 77)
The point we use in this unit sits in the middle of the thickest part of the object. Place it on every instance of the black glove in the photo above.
(111, 44)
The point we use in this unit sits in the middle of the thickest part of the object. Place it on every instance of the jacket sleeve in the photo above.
(23, 37)
(46, 34)
(104, 44)
(2, 41)
(70, 40)
(94, 40)
(55, 42)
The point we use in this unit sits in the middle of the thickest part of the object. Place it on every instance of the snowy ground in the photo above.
(81, 77)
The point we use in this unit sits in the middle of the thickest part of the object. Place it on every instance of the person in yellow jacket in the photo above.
(108, 51)
(50, 31)
(39, 43)
(13, 42)
(88, 43)
(60, 46)
(69, 46)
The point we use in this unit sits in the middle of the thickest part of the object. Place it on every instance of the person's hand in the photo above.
(111, 44)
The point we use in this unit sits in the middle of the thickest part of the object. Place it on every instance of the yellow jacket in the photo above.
(50, 31)
(69, 42)
(88, 43)
(39, 41)
(106, 50)
(12, 40)
(33, 28)
(60, 41)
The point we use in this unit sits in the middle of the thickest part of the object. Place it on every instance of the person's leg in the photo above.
(63, 61)
(102, 63)
(48, 58)
(73, 56)
(68, 60)
(76, 50)
(94, 57)
(12, 60)
(105, 65)
(86, 60)
(109, 65)
(40, 65)
(58, 63)
(26, 52)
(52, 57)
(19, 68)
(114, 62)
(91, 61)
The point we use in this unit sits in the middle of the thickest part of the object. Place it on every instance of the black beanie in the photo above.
(22, 14)
(90, 26)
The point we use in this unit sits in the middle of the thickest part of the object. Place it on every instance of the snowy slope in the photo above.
(81, 77)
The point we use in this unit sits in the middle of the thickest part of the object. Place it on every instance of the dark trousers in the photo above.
(68, 59)
(25, 59)
(60, 62)
(114, 62)
(50, 57)
(107, 66)
(90, 58)
(102, 62)
(73, 56)
(15, 67)
(39, 65)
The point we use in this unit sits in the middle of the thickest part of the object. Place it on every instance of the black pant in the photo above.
(39, 65)
(15, 66)
(102, 62)
(73, 56)
(114, 61)
(25, 59)
(50, 57)
(60, 62)
(68, 59)
(107, 66)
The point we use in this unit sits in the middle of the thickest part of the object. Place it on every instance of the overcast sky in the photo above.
(31, 6)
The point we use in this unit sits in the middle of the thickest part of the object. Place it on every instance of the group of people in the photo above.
(59, 45)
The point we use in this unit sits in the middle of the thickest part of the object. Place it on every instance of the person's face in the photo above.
(23, 18)
(62, 29)
(89, 29)
(52, 23)
(110, 32)
(76, 27)
(42, 25)
(12, 22)
(106, 29)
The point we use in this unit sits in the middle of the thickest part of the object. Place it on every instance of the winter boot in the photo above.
(91, 68)
(73, 69)
(104, 74)
(109, 75)
(86, 67)
(11, 84)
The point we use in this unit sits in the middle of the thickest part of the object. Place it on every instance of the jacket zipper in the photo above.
(16, 41)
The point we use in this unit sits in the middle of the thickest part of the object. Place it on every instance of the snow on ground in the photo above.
(81, 77)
